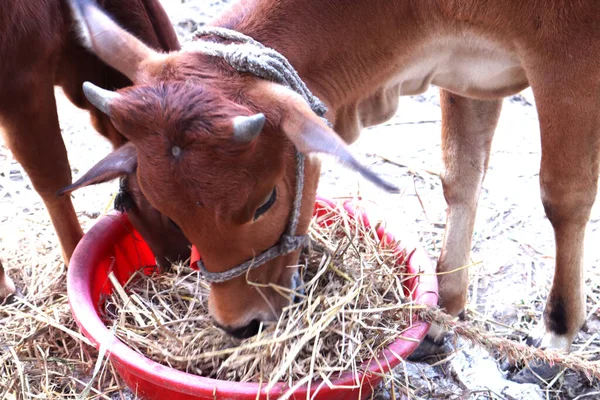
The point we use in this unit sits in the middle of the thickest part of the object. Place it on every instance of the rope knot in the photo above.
(290, 243)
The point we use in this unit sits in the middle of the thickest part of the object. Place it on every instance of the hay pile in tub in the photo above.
(354, 294)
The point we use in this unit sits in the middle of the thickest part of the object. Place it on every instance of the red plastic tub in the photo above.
(112, 244)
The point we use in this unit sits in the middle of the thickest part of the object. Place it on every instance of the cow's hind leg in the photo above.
(7, 286)
(467, 130)
(568, 108)
(32, 133)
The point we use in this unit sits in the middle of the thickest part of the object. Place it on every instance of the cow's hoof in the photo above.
(509, 365)
(7, 288)
(536, 372)
(434, 345)
(428, 348)
(11, 298)
(505, 364)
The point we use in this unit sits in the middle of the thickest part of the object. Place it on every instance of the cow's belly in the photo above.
(468, 66)
(478, 68)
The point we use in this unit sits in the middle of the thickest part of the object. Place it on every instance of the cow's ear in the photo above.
(122, 161)
(111, 43)
(310, 134)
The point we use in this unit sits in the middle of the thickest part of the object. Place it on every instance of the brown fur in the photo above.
(39, 49)
(216, 182)
(358, 56)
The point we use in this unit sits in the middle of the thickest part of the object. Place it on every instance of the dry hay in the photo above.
(350, 310)
(42, 353)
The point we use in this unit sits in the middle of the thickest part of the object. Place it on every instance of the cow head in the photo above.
(215, 153)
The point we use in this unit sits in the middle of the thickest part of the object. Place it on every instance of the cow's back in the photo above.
(39, 42)
(145, 19)
(32, 35)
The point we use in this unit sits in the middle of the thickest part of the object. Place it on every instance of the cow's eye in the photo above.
(266, 205)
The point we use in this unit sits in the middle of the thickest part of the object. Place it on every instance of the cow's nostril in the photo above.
(246, 331)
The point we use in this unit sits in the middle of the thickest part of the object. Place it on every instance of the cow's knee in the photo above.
(566, 209)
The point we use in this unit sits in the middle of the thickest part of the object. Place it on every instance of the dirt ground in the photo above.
(513, 248)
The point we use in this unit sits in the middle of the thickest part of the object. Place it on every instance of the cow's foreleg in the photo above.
(467, 130)
(32, 133)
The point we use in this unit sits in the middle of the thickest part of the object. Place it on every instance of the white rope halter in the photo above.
(248, 55)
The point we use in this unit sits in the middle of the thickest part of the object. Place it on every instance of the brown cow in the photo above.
(233, 199)
(39, 49)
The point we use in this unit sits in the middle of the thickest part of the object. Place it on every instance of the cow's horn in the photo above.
(246, 129)
(100, 98)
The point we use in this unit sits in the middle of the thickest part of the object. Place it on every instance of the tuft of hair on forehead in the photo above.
(179, 111)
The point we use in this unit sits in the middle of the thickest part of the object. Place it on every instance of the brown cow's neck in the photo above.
(359, 56)
(302, 31)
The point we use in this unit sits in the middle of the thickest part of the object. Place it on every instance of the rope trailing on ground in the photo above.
(519, 352)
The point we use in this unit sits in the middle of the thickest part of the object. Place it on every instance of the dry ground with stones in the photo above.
(513, 249)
